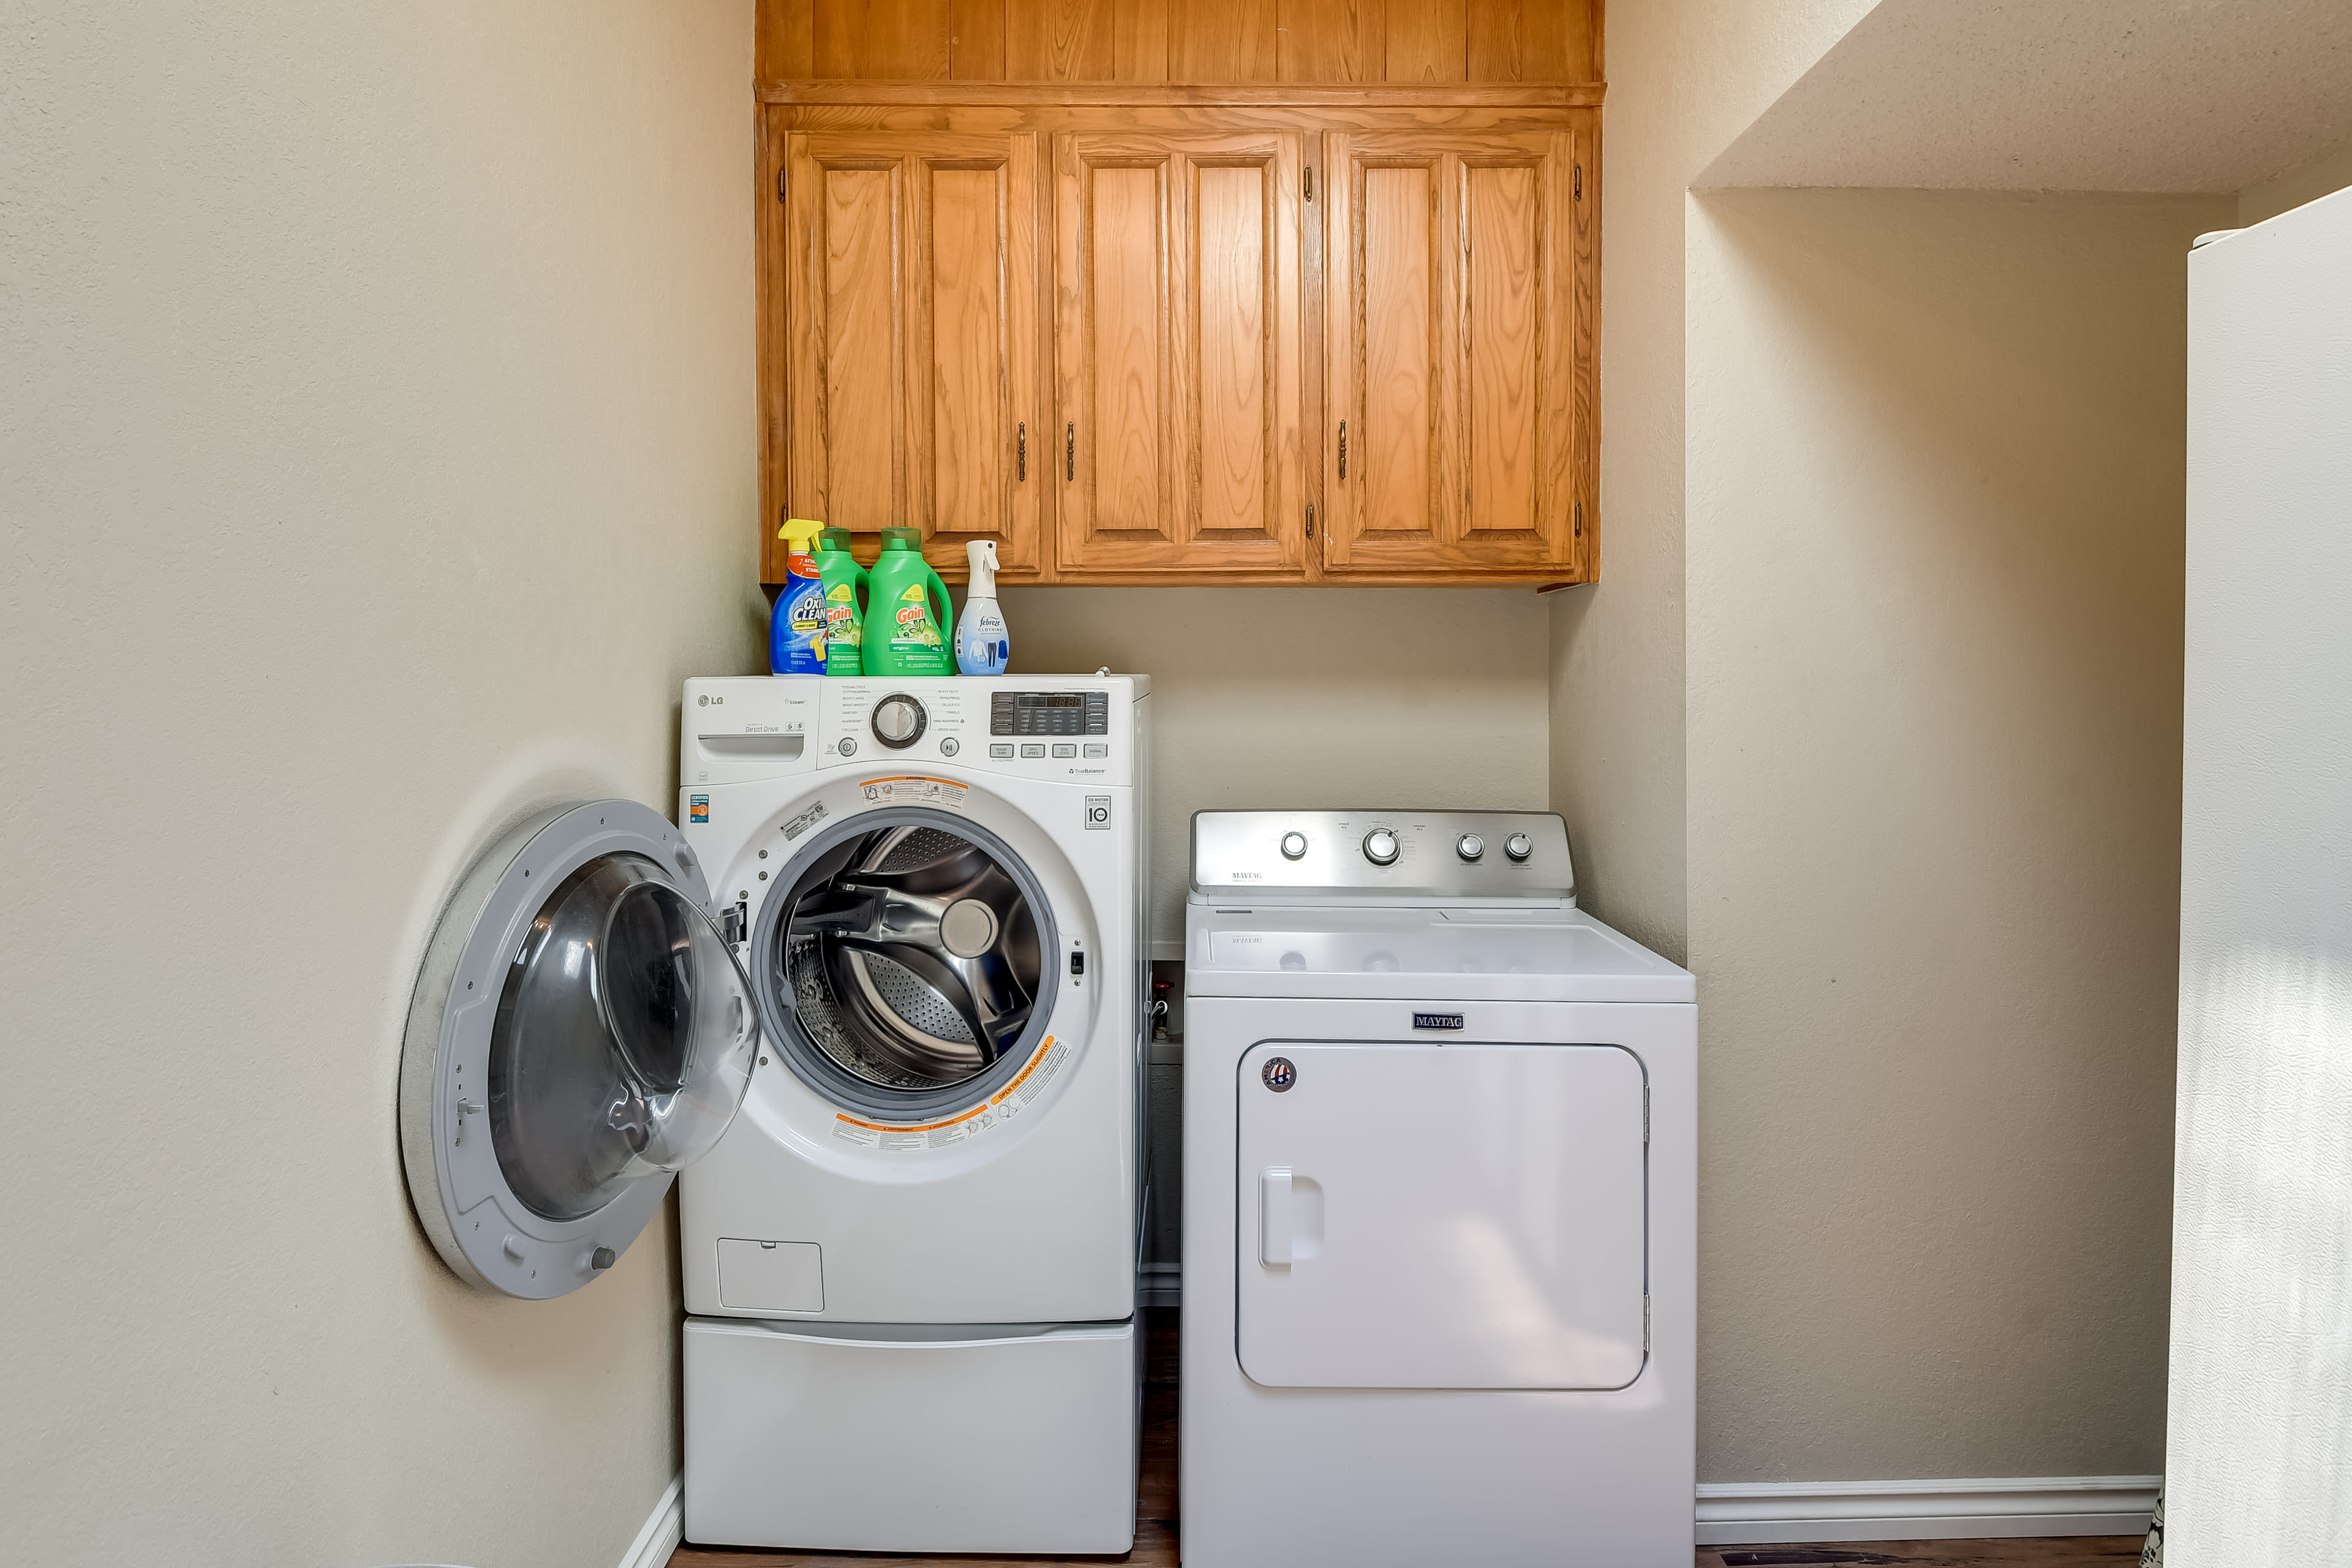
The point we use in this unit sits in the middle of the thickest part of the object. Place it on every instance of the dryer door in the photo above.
(1440, 1217)
(581, 1030)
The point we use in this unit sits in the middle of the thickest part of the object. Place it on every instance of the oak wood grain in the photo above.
(1224, 41)
(1333, 40)
(910, 337)
(891, 39)
(1212, 42)
(782, 41)
(1178, 354)
(1452, 347)
(1060, 40)
(976, 40)
(1434, 99)
(1528, 40)
(1426, 42)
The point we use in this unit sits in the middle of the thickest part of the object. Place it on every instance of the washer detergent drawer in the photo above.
(901, 1438)
(1440, 1217)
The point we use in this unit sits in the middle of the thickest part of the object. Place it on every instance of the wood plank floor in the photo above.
(1155, 1533)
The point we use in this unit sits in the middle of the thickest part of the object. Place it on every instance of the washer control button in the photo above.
(1065, 749)
(949, 747)
(898, 721)
(1032, 748)
(1470, 846)
(1097, 749)
(1000, 749)
(1380, 847)
(1518, 845)
(848, 748)
(1293, 846)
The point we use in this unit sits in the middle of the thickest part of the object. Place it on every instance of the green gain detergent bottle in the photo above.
(844, 602)
(907, 615)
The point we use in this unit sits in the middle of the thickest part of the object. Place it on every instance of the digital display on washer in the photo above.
(1049, 713)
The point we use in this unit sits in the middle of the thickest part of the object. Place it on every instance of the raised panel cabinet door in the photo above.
(910, 341)
(1178, 354)
(1458, 344)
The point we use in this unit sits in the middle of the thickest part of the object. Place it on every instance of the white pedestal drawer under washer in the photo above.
(927, 1207)
(1439, 1203)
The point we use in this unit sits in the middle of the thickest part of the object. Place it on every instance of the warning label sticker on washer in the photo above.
(1050, 1057)
(804, 822)
(914, 790)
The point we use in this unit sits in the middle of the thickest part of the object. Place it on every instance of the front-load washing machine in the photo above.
(909, 1263)
(1439, 1203)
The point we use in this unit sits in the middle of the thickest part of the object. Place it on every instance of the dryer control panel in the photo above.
(1383, 856)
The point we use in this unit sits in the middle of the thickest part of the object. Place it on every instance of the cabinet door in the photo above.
(1177, 349)
(1458, 344)
(911, 338)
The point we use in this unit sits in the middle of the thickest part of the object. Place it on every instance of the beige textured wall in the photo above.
(1684, 76)
(375, 452)
(1934, 545)
(1311, 698)
(1874, 716)
(2318, 177)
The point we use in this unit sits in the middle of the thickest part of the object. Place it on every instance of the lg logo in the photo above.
(707, 701)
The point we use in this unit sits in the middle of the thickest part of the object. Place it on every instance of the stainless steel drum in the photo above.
(901, 967)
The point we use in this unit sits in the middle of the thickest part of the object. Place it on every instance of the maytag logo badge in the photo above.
(1437, 1020)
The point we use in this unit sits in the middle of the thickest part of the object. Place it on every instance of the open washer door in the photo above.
(580, 1031)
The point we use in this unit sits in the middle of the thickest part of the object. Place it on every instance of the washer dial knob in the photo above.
(1380, 847)
(1293, 846)
(1470, 846)
(898, 721)
(1518, 845)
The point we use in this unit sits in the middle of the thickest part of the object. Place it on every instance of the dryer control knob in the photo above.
(1380, 847)
(1293, 846)
(898, 721)
(1518, 845)
(1470, 846)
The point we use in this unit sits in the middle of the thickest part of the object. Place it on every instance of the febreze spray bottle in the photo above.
(907, 615)
(844, 602)
(796, 634)
(981, 644)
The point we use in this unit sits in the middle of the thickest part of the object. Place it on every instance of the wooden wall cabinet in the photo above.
(1176, 354)
(1316, 336)
(1453, 334)
(910, 288)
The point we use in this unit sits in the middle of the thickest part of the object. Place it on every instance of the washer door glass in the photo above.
(906, 960)
(624, 1043)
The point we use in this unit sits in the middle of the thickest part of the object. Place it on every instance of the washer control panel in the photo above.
(1393, 856)
(1067, 729)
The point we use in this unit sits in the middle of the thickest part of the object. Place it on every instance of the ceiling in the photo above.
(2061, 95)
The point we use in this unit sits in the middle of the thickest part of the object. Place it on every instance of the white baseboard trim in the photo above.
(1764, 1512)
(664, 1529)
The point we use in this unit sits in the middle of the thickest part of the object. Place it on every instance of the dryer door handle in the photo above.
(1273, 1228)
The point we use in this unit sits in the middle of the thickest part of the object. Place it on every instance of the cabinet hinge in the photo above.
(1310, 182)
(1310, 520)
(1580, 182)
(780, 184)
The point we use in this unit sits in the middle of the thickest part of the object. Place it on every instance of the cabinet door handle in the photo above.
(1343, 449)
(1070, 451)
(1021, 451)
